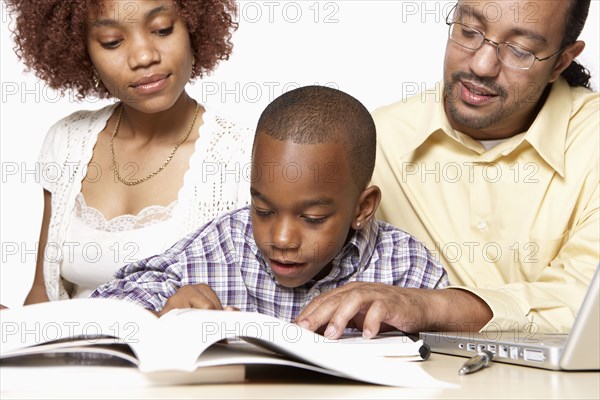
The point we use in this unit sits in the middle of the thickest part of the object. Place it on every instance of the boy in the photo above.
(310, 227)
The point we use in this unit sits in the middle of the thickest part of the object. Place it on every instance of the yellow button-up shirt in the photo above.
(518, 224)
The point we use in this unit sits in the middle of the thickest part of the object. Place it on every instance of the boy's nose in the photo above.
(285, 234)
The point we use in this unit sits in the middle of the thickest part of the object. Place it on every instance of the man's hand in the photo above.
(194, 296)
(373, 307)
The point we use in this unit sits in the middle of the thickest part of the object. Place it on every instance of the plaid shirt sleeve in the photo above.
(402, 260)
(151, 281)
(425, 271)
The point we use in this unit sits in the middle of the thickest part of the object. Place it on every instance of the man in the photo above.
(497, 171)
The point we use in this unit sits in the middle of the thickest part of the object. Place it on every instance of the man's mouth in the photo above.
(475, 94)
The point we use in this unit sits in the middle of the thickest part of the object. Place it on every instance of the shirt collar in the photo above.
(356, 254)
(547, 134)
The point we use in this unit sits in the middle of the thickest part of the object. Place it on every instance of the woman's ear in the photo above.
(367, 204)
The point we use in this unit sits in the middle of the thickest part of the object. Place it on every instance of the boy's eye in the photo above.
(262, 213)
(311, 220)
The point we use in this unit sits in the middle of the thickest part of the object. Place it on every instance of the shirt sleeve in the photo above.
(243, 155)
(151, 281)
(49, 159)
(550, 303)
(425, 271)
(148, 282)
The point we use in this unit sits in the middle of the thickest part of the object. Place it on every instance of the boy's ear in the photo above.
(367, 204)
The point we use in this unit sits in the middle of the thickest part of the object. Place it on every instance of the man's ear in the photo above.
(565, 58)
(367, 204)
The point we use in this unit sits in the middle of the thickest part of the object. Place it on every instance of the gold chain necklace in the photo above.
(167, 161)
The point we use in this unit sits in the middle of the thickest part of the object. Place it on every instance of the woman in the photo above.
(126, 181)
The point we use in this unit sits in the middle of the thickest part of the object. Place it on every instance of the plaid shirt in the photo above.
(224, 255)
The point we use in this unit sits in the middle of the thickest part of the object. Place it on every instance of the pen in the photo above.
(477, 362)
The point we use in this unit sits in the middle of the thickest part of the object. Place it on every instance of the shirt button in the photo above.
(482, 225)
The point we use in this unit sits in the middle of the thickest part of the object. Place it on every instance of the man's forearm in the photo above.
(455, 310)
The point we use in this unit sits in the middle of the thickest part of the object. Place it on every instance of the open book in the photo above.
(208, 346)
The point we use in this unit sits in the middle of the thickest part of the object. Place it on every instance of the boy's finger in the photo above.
(207, 292)
(203, 303)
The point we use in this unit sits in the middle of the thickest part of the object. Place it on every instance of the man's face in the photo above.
(485, 98)
(304, 201)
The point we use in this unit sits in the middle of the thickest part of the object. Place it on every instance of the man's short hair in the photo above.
(320, 114)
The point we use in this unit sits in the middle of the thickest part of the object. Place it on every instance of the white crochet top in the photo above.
(217, 181)
(95, 248)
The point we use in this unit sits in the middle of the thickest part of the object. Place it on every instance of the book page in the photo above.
(69, 326)
(193, 331)
(178, 341)
(81, 349)
(389, 344)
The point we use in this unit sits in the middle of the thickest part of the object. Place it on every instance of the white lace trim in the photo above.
(148, 216)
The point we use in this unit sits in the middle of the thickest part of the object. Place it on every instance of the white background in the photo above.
(377, 51)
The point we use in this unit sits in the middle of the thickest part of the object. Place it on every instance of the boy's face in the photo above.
(303, 204)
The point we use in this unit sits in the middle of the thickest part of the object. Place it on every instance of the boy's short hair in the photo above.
(319, 114)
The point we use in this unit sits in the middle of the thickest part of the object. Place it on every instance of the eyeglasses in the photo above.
(510, 54)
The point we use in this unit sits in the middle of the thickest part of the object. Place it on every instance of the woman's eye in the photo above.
(165, 31)
(113, 44)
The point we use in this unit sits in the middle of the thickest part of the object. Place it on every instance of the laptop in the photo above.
(577, 350)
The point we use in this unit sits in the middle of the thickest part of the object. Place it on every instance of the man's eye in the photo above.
(519, 53)
(466, 32)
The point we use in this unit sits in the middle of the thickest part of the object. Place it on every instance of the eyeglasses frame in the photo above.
(496, 44)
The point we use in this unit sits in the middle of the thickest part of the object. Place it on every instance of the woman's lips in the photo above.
(150, 84)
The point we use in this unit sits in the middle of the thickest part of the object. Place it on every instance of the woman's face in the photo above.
(141, 51)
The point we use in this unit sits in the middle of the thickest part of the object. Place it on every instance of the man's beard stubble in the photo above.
(452, 97)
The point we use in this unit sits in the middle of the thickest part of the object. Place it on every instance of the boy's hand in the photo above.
(373, 306)
(193, 296)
